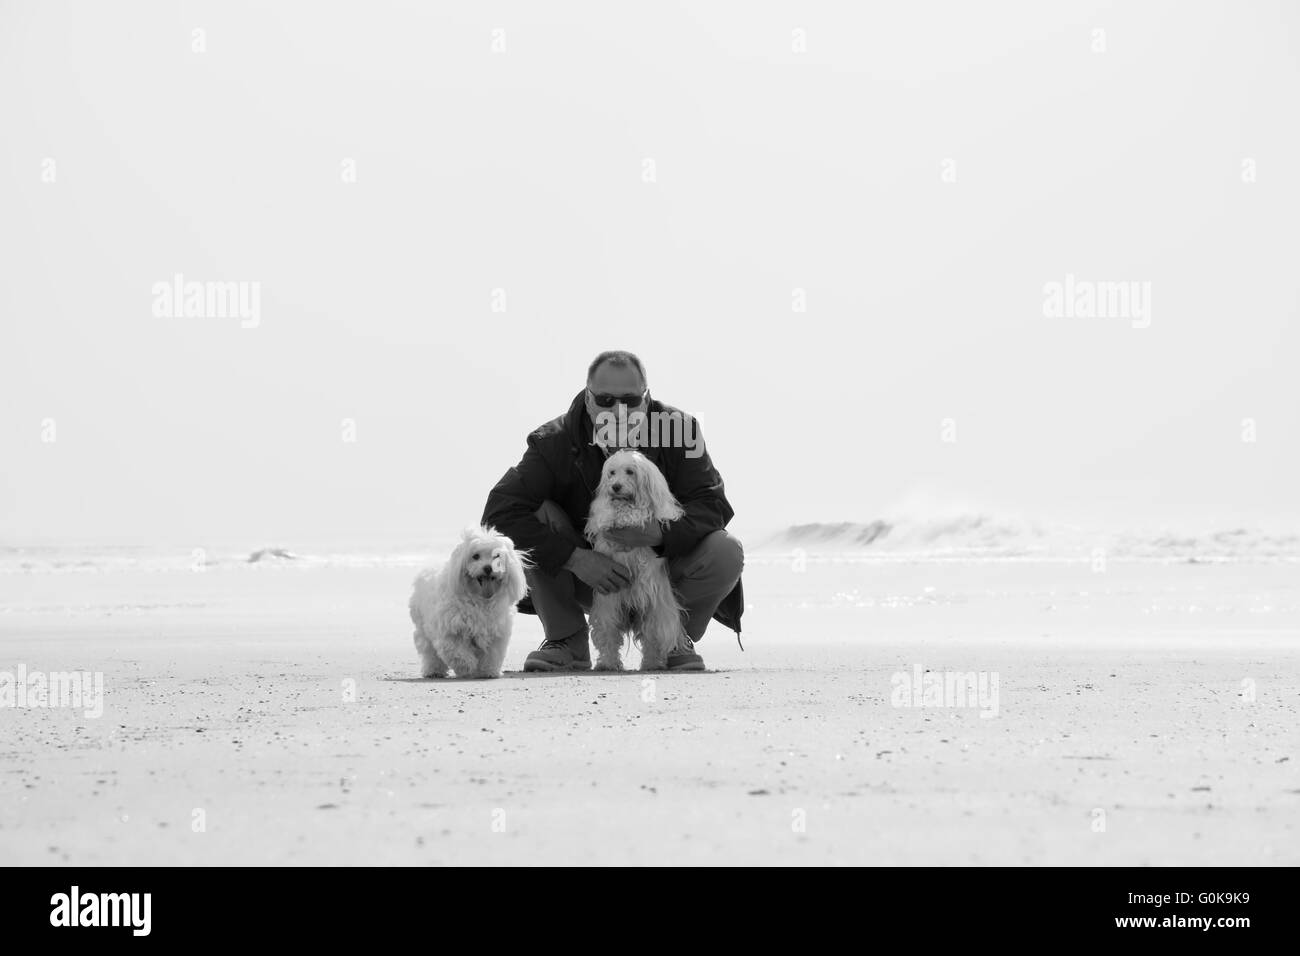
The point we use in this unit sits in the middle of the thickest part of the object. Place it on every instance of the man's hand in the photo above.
(646, 536)
(601, 572)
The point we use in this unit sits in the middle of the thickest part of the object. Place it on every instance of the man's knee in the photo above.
(721, 555)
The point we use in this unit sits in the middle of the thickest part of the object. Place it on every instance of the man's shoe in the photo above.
(684, 658)
(570, 654)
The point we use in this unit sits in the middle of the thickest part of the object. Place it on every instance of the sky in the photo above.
(828, 230)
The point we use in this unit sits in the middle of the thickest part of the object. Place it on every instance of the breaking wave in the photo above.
(982, 535)
(973, 536)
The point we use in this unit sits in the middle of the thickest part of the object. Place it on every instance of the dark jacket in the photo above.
(563, 465)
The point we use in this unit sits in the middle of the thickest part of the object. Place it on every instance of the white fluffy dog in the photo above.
(464, 611)
(632, 492)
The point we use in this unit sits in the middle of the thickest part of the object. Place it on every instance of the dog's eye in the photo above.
(474, 556)
(629, 471)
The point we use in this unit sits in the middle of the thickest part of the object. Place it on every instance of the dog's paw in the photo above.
(432, 674)
(608, 664)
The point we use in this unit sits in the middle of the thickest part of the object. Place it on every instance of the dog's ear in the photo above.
(458, 553)
(516, 583)
(469, 533)
(663, 506)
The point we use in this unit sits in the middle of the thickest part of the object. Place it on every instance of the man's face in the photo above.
(614, 380)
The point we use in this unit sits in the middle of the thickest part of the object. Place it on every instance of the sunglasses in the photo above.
(607, 401)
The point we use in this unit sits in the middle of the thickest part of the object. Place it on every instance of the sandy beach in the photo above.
(271, 714)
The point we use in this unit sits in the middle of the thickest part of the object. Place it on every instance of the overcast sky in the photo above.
(920, 172)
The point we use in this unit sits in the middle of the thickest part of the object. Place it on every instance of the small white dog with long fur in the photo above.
(633, 492)
(465, 610)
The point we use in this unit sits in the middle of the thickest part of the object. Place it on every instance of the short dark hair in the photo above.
(619, 359)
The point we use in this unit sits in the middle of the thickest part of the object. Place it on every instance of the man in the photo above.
(542, 504)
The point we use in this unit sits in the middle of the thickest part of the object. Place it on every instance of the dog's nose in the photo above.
(616, 488)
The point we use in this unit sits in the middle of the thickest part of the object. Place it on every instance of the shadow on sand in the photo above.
(546, 675)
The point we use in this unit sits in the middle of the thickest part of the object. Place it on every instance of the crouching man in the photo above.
(542, 504)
